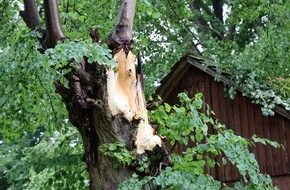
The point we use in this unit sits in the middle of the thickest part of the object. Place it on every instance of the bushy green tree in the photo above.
(248, 40)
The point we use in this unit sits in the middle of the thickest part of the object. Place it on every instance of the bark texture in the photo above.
(87, 105)
(87, 99)
(122, 34)
(53, 31)
(88, 109)
(109, 107)
(53, 28)
(30, 14)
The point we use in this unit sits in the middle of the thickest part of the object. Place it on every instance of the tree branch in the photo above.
(30, 14)
(48, 94)
(218, 9)
(196, 6)
(53, 28)
(64, 92)
(231, 32)
(122, 34)
(139, 71)
(194, 36)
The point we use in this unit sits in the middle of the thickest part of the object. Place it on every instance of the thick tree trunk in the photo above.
(123, 30)
(107, 106)
(88, 109)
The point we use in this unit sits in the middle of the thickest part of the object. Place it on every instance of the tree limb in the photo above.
(122, 34)
(231, 32)
(53, 28)
(218, 9)
(194, 36)
(139, 71)
(196, 5)
(30, 14)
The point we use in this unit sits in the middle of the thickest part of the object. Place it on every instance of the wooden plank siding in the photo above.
(239, 114)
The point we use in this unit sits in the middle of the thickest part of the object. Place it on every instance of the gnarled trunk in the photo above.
(87, 104)
(108, 106)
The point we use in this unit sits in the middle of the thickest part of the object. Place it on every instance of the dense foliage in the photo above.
(40, 149)
(187, 122)
(249, 41)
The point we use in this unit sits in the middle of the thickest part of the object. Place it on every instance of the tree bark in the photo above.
(104, 105)
(195, 6)
(53, 28)
(218, 9)
(231, 32)
(30, 14)
(88, 110)
(109, 107)
(124, 25)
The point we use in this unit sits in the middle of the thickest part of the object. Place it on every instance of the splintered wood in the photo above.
(125, 96)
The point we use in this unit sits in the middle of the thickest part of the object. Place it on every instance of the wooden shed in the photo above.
(239, 114)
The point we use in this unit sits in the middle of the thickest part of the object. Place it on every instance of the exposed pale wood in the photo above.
(125, 96)
(121, 86)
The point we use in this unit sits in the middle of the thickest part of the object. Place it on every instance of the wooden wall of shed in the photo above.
(244, 118)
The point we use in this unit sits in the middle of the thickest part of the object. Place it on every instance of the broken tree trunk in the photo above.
(107, 105)
(126, 97)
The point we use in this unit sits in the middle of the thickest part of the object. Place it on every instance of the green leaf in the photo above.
(199, 137)
(167, 107)
(112, 147)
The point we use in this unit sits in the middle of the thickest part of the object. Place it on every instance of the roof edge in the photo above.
(197, 62)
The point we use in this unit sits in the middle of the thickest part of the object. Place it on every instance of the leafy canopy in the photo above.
(34, 132)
